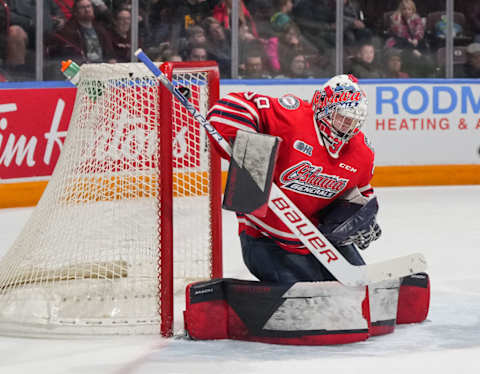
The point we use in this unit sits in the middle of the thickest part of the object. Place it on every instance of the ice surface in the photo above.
(441, 222)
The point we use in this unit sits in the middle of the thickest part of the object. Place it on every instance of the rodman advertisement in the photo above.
(410, 122)
(425, 124)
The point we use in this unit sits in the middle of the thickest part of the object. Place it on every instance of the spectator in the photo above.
(255, 65)
(406, 29)
(291, 42)
(21, 33)
(245, 41)
(281, 49)
(471, 69)
(393, 64)
(222, 13)
(297, 67)
(144, 8)
(121, 35)
(219, 48)
(355, 30)
(316, 19)
(244, 34)
(82, 39)
(277, 26)
(195, 36)
(407, 33)
(363, 65)
(170, 55)
(281, 17)
(186, 14)
(164, 53)
(197, 53)
(261, 11)
(475, 21)
(161, 19)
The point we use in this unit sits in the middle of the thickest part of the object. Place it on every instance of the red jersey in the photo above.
(304, 170)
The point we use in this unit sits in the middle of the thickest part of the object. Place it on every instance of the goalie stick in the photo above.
(298, 223)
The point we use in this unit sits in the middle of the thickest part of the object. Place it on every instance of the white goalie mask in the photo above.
(340, 110)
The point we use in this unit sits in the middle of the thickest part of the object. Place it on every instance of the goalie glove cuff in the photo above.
(360, 228)
(363, 238)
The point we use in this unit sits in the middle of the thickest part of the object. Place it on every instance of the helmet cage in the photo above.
(340, 110)
(344, 124)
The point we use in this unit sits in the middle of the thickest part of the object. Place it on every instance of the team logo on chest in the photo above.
(308, 179)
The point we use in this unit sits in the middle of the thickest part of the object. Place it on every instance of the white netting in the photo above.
(87, 260)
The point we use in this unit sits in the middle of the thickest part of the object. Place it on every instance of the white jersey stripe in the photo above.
(233, 111)
(247, 222)
(247, 106)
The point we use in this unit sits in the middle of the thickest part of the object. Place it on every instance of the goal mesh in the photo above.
(95, 257)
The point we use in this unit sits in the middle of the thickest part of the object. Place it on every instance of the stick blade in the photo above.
(398, 267)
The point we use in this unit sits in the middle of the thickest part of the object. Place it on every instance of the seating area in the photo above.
(435, 29)
(290, 38)
(4, 24)
(437, 37)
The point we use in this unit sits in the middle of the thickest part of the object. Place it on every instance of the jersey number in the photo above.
(260, 102)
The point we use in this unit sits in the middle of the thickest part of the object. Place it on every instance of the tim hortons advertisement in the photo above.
(122, 131)
(34, 123)
(33, 126)
(410, 122)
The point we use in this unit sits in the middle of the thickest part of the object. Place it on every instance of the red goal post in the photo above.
(169, 107)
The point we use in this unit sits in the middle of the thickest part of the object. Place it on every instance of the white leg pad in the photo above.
(383, 298)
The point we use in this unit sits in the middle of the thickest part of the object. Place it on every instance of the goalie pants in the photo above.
(270, 263)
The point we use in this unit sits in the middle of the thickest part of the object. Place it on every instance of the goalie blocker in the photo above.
(303, 313)
(250, 173)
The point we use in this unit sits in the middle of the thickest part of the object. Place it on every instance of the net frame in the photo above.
(115, 271)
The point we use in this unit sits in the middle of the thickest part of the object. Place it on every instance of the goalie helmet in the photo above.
(340, 110)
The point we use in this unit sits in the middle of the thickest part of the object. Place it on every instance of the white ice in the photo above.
(441, 222)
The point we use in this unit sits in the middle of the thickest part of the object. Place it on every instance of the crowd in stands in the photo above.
(277, 38)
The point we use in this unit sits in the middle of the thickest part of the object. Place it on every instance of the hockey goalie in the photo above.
(319, 157)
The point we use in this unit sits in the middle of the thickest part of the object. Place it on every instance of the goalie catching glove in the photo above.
(343, 223)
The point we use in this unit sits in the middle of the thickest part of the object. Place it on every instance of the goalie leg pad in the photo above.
(206, 313)
(414, 299)
(383, 306)
(303, 313)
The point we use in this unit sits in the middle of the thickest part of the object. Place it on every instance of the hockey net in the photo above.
(130, 215)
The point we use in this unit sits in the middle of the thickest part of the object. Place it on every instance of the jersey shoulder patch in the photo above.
(289, 102)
